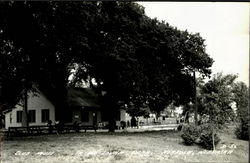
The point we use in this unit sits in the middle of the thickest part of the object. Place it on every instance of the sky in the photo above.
(223, 25)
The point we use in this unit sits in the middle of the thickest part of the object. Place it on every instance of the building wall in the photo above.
(77, 117)
(123, 115)
(37, 103)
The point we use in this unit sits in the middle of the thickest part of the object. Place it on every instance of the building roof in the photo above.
(82, 97)
(77, 97)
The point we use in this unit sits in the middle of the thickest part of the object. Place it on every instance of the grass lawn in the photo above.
(154, 146)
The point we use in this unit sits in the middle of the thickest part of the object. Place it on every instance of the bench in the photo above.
(77, 128)
(88, 128)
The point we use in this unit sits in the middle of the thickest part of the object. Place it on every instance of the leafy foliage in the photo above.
(215, 106)
(241, 97)
(42, 47)
(136, 111)
(216, 102)
(242, 131)
(206, 136)
(190, 134)
(201, 135)
(216, 99)
(139, 60)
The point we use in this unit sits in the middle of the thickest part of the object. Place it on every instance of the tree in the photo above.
(139, 61)
(241, 97)
(215, 101)
(217, 98)
(149, 61)
(43, 47)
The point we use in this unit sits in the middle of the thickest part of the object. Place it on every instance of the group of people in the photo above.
(59, 126)
(179, 120)
(132, 123)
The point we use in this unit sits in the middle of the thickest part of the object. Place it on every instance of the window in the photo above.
(32, 116)
(19, 115)
(84, 116)
(10, 117)
(45, 115)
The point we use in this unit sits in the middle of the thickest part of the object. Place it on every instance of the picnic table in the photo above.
(43, 129)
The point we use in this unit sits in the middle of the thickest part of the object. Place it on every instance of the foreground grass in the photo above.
(161, 146)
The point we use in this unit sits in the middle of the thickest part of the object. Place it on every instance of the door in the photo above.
(95, 119)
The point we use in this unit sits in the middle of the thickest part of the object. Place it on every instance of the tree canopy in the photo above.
(217, 97)
(135, 59)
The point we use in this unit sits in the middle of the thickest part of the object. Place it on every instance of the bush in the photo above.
(190, 133)
(205, 139)
(242, 131)
(202, 135)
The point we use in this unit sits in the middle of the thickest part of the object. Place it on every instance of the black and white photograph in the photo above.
(124, 81)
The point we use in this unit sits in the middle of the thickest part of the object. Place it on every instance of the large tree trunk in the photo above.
(112, 117)
(112, 124)
(61, 106)
(110, 107)
(25, 122)
(213, 138)
(60, 92)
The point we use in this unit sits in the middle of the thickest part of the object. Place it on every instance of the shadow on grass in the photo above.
(48, 137)
(124, 133)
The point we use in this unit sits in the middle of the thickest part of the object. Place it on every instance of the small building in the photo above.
(84, 107)
(40, 110)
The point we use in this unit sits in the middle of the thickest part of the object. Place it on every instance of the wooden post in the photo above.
(195, 96)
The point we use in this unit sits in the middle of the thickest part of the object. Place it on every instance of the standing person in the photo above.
(128, 124)
(61, 126)
(154, 121)
(57, 127)
(133, 122)
(137, 122)
(76, 126)
(50, 126)
(182, 119)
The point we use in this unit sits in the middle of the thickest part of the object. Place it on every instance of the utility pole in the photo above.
(1, 103)
(195, 102)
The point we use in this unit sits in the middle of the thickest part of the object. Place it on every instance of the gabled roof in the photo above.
(82, 97)
(77, 97)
